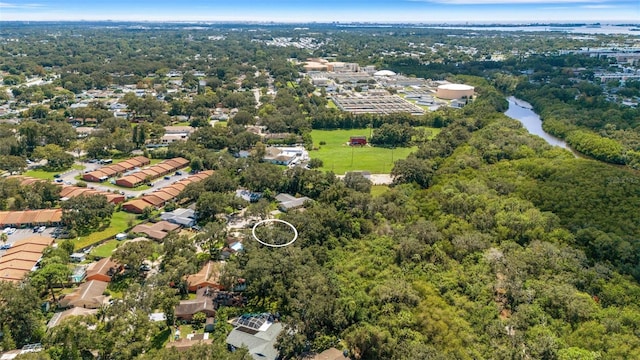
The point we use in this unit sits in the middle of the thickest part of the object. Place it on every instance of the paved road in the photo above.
(256, 94)
(376, 179)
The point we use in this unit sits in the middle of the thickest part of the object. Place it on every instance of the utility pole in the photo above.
(352, 157)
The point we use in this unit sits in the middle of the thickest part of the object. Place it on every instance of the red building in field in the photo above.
(358, 141)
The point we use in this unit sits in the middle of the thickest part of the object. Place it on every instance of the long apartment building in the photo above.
(22, 258)
(152, 172)
(159, 198)
(109, 171)
(70, 191)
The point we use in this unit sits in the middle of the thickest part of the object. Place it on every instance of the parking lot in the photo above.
(21, 234)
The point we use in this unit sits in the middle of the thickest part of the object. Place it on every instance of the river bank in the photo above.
(523, 112)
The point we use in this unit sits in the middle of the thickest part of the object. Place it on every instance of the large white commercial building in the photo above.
(454, 91)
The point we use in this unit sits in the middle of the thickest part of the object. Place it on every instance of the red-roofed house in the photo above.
(208, 276)
(136, 206)
(102, 270)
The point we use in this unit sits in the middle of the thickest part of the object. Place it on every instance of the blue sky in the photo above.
(427, 11)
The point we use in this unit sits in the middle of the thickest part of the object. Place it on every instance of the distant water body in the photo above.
(604, 29)
(522, 111)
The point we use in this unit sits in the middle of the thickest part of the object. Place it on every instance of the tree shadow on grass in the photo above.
(160, 339)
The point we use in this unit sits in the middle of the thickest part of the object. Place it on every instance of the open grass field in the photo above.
(105, 249)
(48, 175)
(340, 158)
(119, 223)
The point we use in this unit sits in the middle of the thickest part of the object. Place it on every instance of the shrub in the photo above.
(315, 163)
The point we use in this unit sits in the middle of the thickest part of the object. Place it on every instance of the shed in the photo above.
(358, 140)
(78, 257)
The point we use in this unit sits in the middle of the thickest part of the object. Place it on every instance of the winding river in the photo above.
(523, 111)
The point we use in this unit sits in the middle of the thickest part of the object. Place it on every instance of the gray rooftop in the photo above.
(260, 340)
(288, 202)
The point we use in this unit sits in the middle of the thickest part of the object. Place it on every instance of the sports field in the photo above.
(340, 158)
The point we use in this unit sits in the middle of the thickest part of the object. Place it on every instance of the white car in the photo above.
(9, 230)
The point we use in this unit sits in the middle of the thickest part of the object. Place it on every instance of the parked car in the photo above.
(9, 230)
(178, 172)
(145, 267)
(5, 246)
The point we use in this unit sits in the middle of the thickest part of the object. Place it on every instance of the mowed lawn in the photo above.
(119, 223)
(105, 249)
(340, 158)
(48, 175)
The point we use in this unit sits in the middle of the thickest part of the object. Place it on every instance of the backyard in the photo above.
(120, 222)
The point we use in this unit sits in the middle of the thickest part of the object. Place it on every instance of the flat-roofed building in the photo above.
(454, 91)
(372, 104)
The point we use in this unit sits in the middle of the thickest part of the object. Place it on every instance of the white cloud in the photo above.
(4, 5)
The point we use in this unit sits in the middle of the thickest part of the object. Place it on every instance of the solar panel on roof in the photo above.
(251, 321)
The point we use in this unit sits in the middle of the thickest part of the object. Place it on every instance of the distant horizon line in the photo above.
(329, 22)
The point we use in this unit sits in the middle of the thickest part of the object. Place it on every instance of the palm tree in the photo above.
(102, 313)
